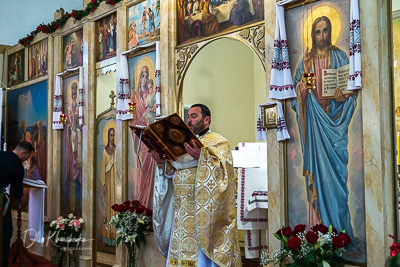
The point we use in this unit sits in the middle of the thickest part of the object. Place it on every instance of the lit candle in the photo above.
(398, 148)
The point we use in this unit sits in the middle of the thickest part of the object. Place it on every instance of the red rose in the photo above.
(139, 210)
(345, 238)
(127, 203)
(93, 1)
(135, 203)
(287, 231)
(394, 248)
(294, 243)
(148, 212)
(311, 237)
(337, 242)
(131, 209)
(117, 207)
(320, 228)
(299, 228)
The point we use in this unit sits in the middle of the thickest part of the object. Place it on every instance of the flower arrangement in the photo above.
(394, 258)
(64, 231)
(132, 222)
(321, 246)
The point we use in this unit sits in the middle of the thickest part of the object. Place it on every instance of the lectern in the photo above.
(18, 249)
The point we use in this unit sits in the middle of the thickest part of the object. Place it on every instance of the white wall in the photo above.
(20, 17)
(105, 83)
(227, 76)
(395, 5)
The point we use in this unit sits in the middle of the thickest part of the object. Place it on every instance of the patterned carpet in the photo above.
(42, 262)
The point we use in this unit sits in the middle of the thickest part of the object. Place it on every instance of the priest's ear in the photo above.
(207, 120)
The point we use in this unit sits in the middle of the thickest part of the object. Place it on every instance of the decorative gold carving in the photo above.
(159, 128)
(255, 37)
(184, 56)
(176, 136)
(175, 121)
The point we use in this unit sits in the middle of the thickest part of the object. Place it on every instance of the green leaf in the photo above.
(330, 229)
(119, 240)
(277, 236)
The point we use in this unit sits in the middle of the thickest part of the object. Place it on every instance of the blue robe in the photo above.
(240, 14)
(324, 144)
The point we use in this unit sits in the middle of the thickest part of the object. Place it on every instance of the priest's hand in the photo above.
(157, 157)
(339, 96)
(192, 149)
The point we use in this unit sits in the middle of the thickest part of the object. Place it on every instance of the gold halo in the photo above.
(109, 124)
(144, 61)
(333, 16)
(75, 80)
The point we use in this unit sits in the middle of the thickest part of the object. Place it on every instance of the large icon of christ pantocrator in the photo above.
(323, 127)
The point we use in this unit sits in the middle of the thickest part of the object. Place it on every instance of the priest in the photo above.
(202, 227)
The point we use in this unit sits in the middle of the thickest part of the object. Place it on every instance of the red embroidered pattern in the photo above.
(242, 202)
(281, 87)
(250, 245)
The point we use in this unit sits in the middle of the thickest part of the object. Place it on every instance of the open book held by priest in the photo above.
(166, 136)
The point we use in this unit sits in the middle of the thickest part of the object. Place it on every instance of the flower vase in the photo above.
(55, 259)
(131, 255)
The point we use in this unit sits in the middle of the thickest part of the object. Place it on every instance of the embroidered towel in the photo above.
(281, 84)
(355, 48)
(282, 132)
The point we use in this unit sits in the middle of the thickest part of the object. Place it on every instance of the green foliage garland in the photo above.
(54, 25)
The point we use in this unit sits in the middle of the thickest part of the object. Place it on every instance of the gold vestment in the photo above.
(204, 208)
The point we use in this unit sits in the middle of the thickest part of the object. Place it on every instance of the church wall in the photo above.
(376, 108)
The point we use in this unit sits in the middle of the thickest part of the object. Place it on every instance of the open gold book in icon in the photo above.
(166, 136)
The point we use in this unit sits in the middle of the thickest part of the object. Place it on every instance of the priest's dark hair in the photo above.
(205, 111)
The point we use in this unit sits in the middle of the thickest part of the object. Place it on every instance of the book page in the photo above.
(343, 79)
(329, 81)
(335, 78)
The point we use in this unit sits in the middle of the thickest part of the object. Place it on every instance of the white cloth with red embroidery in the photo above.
(250, 180)
(282, 132)
(258, 200)
(281, 84)
(255, 241)
(354, 82)
(58, 107)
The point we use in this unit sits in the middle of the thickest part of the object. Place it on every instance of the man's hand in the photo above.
(192, 149)
(339, 96)
(157, 157)
(306, 62)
